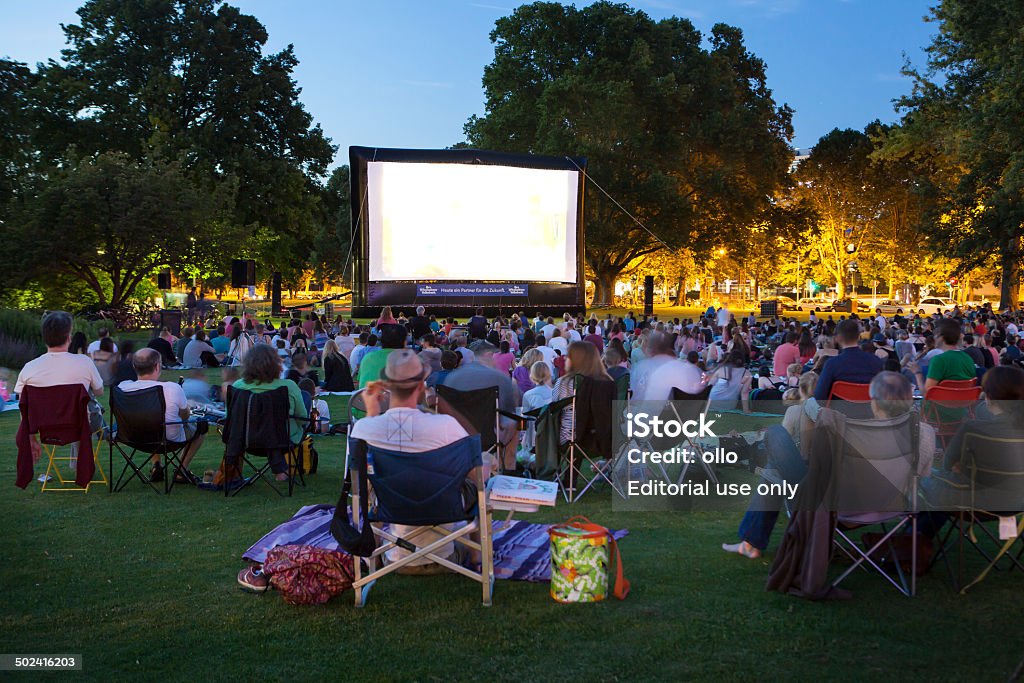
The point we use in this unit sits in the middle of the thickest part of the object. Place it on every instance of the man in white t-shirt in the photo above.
(659, 373)
(559, 342)
(570, 334)
(147, 364)
(95, 345)
(57, 367)
(723, 319)
(406, 428)
(549, 328)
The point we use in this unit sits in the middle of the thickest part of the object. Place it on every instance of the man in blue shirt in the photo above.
(851, 365)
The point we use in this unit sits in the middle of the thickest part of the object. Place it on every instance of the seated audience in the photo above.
(849, 365)
(891, 398)
(199, 353)
(261, 371)
(404, 427)
(337, 373)
(176, 409)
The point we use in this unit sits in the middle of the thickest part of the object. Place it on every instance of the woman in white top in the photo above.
(730, 382)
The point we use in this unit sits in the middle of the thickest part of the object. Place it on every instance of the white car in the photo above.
(933, 305)
(889, 307)
(814, 304)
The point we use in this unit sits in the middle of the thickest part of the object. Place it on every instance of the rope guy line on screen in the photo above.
(586, 177)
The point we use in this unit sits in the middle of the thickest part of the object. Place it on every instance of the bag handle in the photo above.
(622, 585)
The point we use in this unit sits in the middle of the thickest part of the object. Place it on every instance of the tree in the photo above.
(687, 139)
(836, 181)
(110, 221)
(964, 119)
(183, 81)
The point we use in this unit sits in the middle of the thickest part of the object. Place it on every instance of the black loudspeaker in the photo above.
(243, 273)
(648, 295)
(769, 309)
(163, 279)
(275, 294)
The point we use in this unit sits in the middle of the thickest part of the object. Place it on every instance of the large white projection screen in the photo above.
(430, 221)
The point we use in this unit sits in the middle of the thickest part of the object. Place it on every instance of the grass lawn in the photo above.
(143, 585)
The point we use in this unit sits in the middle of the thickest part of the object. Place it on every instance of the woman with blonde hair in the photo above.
(337, 371)
(386, 318)
(522, 372)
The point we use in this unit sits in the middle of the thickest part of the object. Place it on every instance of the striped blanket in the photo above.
(521, 549)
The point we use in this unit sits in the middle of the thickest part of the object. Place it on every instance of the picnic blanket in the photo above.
(521, 549)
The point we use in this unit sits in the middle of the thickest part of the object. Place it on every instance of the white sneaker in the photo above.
(43, 478)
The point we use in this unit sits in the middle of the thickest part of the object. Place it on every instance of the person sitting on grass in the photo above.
(337, 372)
(198, 352)
(300, 369)
(148, 367)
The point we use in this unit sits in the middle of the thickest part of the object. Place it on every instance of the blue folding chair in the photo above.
(427, 490)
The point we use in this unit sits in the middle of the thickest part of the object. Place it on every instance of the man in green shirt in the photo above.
(391, 337)
(951, 363)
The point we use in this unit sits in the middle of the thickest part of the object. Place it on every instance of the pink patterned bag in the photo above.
(307, 575)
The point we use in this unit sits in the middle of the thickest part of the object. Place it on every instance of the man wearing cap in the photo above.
(481, 375)
(406, 428)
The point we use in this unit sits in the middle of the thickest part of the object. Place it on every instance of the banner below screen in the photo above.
(472, 290)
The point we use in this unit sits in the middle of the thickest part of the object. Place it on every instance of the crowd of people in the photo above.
(736, 364)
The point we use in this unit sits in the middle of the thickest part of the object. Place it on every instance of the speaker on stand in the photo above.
(648, 296)
(275, 295)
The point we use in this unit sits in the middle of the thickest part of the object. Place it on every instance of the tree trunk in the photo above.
(1009, 282)
(840, 288)
(680, 299)
(604, 287)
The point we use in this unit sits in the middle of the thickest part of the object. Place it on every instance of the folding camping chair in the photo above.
(959, 383)
(54, 430)
(874, 478)
(426, 490)
(479, 412)
(259, 424)
(994, 488)
(588, 423)
(946, 408)
(139, 428)
(850, 398)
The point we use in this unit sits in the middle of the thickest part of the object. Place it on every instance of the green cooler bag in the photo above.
(581, 553)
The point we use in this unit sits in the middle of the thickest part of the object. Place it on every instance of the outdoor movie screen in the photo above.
(470, 222)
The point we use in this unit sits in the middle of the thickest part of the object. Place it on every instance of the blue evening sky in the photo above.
(407, 73)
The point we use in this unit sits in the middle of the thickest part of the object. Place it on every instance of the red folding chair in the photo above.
(959, 383)
(946, 408)
(849, 391)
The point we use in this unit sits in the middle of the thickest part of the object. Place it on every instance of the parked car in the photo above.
(817, 303)
(933, 305)
(890, 307)
(843, 306)
(785, 303)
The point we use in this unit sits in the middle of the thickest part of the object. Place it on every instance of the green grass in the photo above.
(143, 585)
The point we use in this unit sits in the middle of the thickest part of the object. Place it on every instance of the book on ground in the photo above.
(518, 490)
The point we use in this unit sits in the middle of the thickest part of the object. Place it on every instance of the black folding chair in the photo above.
(140, 428)
(259, 424)
(591, 430)
(479, 411)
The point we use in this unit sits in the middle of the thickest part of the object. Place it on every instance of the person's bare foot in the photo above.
(281, 476)
(742, 548)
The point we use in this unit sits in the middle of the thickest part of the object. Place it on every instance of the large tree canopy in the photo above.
(963, 123)
(182, 81)
(110, 222)
(687, 139)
